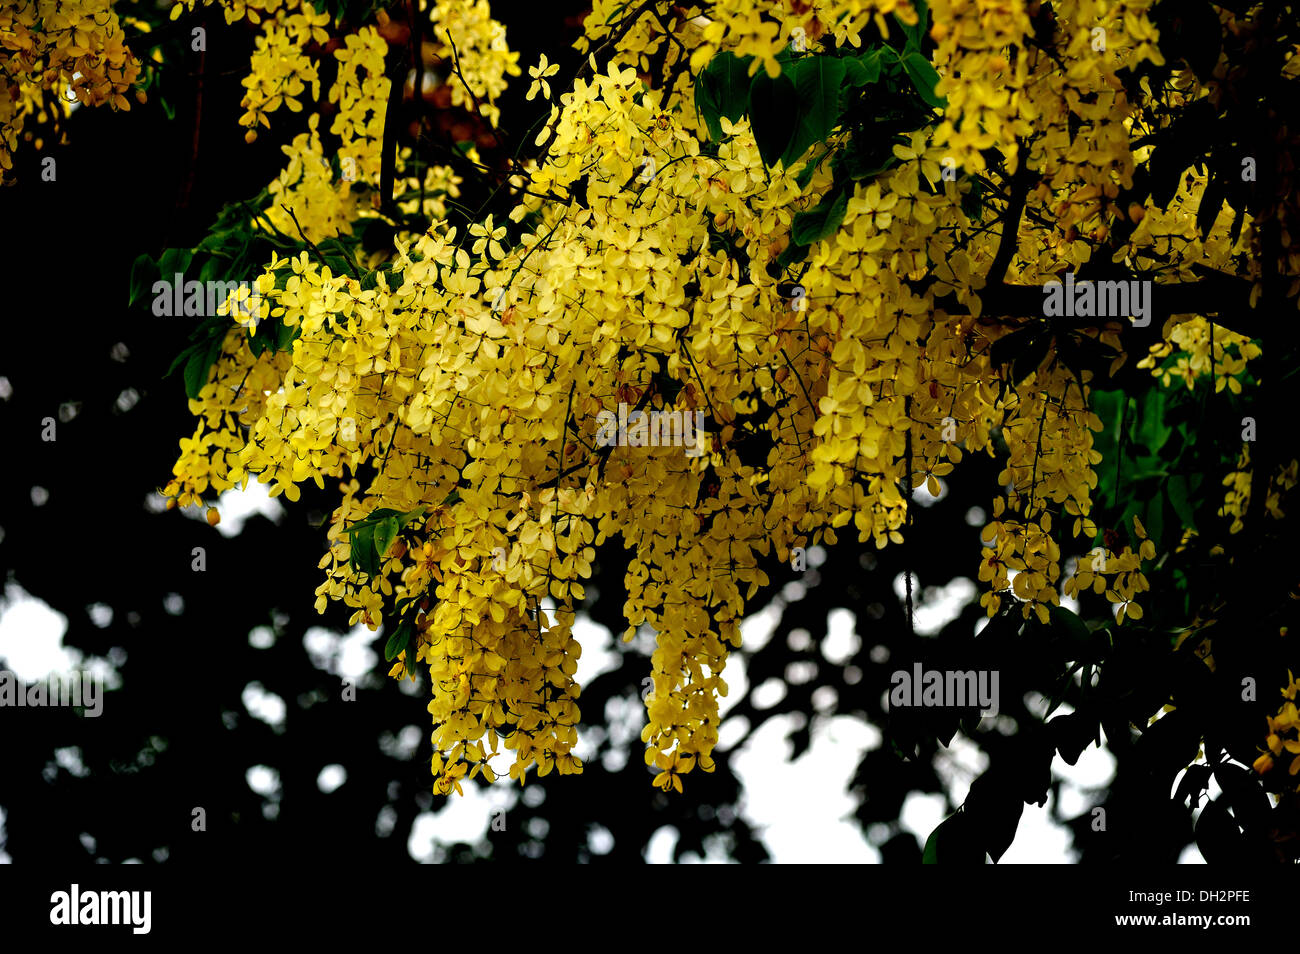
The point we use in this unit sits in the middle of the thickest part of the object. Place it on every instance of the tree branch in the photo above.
(396, 70)
(1215, 293)
(1017, 191)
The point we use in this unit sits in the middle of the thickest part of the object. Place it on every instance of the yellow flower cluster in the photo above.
(985, 92)
(1283, 734)
(1015, 75)
(1204, 349)
(280, 69)
(1236, 499)
(308, 188)
(1049, 461)
(55, 52)
(1126, 581)
(236, 10)
(314, 191)
(1007, 75)
(480, 52)
(745, 28)
(234, 399)
(361, 91)
(466, 390)
(440, 183)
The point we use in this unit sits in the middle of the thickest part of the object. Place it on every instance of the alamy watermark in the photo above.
(652, 429)
(84, 689)
(948, 688)
(1117, 299)
(195, 299)
(75, 907)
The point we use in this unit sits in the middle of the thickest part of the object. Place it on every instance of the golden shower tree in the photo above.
(759, 273)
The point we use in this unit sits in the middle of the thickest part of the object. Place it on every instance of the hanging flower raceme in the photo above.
(621, 355)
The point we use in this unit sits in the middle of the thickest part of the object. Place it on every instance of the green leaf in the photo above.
(1212, 200)
(285, 336)
(1177, 490)
(259, 344)
(817, 81)
(272, 335)
(412, 650)
(180, 359)
(972, 203)
(371, 537)
(264, 337)
(208, 273)
(722, 89)
(992, 810)
(363, 557)
(915, 34)
(862, 70)
(1151, 429)
(790, 255)
(174, 260)
(385, 533)
(805, 176)
(953, 842)
(398, 641)
(348, 259)
(931, 854)
(860, 161)
(774, 114)
(1153, 517)
(206, 341)
(199, 367)
(143, 275)
(1070, 625)
(924, 77)
(404, 519)
(376, 515)
(216, 241)
(821, 221)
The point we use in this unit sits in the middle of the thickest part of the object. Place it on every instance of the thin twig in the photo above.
(310, 244)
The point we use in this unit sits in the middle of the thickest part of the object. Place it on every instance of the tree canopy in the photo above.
(734, 280)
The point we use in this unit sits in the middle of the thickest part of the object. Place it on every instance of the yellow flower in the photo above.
(539, 73)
